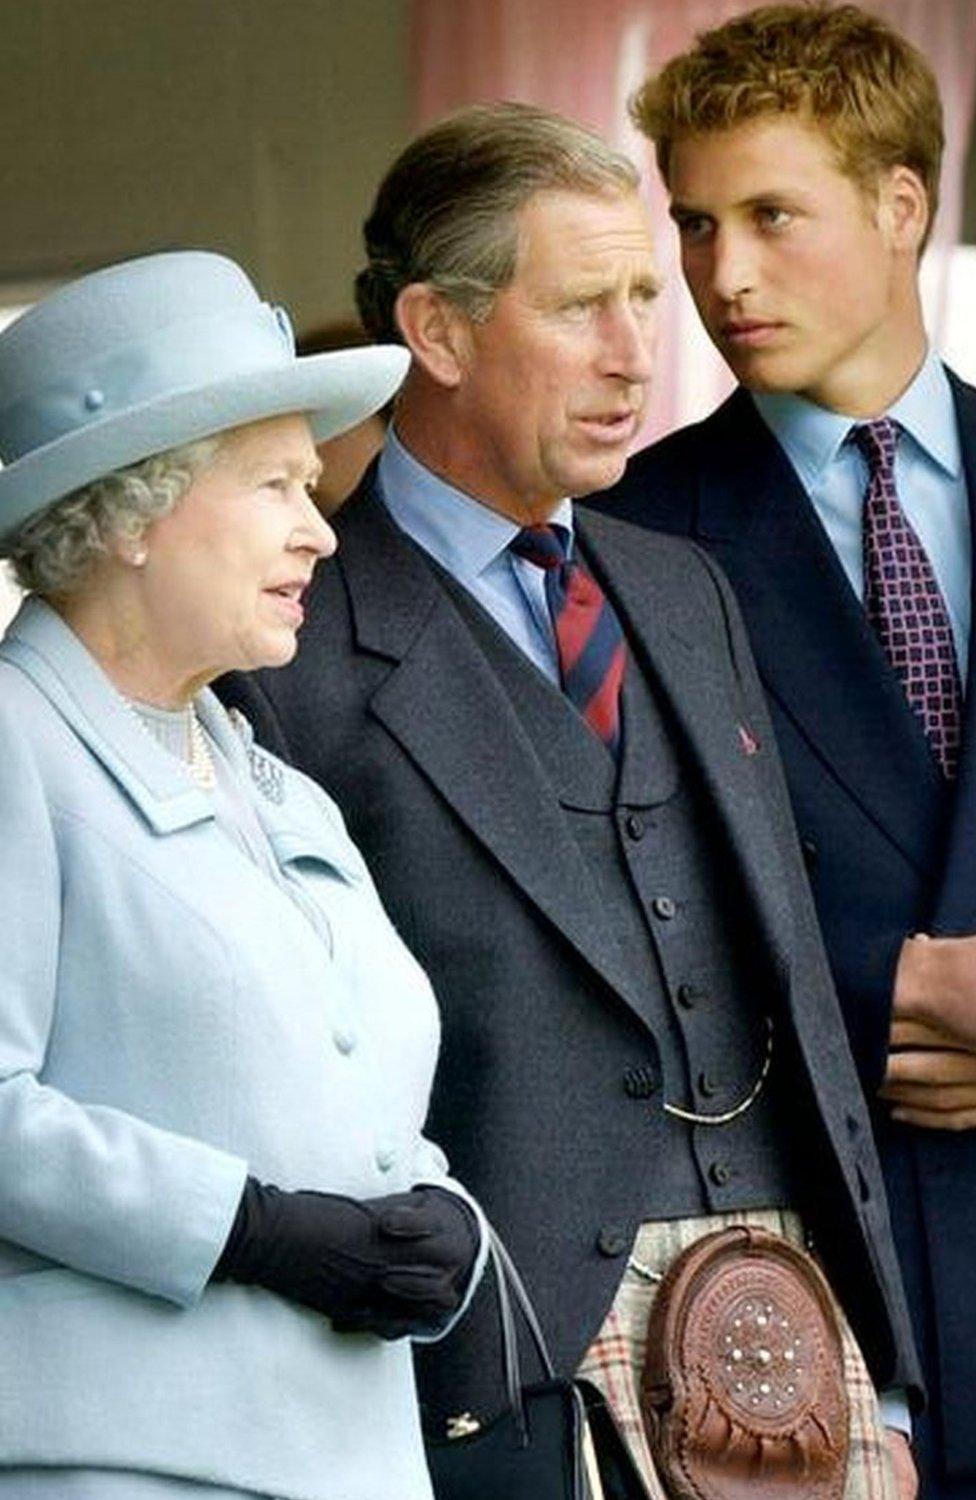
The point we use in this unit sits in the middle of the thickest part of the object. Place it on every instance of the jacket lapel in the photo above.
(700, 692)
(955, 908)
(444, 706)
(816, 652)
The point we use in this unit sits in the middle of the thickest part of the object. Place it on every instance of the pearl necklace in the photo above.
(197, 759)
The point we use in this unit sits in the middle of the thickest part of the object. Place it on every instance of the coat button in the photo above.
(690, 994)
(664, 907)
(612, 1241)
(344, 1040)
(720, 1173)
(707, 1085)
(634, 826)
(385, 1157)
(810, 851)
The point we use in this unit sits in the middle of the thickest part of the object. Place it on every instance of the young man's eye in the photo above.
(774, 217)
(694, 228)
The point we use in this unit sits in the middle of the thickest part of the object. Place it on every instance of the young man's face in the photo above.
(804, 282)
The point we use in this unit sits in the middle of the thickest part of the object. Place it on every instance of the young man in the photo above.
(567, 793)
(801, 149)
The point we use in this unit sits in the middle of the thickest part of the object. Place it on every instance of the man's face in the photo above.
(799, 276)
(554, 383)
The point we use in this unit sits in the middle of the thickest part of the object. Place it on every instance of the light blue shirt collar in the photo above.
(812, 435)
(462, 534)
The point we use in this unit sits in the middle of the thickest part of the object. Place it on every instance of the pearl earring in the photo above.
(138, 556)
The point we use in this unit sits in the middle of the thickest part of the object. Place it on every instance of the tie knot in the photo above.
(546, 546)
(877, 441)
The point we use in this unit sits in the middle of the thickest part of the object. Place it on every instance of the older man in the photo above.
(546, 732)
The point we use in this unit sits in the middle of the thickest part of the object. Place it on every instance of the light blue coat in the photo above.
(169, 1021)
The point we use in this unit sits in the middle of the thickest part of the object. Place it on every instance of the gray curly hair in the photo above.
(447, 210)
(55, 551)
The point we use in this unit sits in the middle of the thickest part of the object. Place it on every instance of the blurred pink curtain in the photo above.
(586, 57)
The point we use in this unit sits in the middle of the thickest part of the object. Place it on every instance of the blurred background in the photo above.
(261, 128)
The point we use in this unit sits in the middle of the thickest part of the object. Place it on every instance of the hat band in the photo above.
(183, 356)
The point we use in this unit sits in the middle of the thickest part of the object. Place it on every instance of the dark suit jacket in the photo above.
(392, 705)
(888, 852)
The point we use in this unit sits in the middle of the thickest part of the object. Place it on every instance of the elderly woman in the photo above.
(219, 1219)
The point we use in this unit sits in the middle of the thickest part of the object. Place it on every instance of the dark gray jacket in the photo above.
(391, 705)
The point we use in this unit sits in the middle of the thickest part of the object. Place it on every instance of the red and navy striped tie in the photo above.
(590, 643)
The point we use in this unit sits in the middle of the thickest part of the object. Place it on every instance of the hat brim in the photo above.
(334, 391)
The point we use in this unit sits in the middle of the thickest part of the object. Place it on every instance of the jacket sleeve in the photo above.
(89, 1187)
(430, 1167)
(812, 977)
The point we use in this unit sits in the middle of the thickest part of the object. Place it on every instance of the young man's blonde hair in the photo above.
(870, 92)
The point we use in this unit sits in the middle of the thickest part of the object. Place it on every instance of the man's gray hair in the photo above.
(55, 551)
(446, 211)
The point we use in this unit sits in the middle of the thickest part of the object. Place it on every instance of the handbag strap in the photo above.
(510, 1287)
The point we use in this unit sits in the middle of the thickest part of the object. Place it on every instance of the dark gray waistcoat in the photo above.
(665, 886)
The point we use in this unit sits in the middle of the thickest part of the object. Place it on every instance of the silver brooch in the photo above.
(267, 775)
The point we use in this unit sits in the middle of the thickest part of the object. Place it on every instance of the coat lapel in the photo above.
(444, 706)
(699, 690)
(955, 908)
(816, 652)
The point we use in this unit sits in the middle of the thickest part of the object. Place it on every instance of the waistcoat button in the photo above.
(720, 1173)
(690, 994)
(707, 1085)
(664, 907)
(634, 826)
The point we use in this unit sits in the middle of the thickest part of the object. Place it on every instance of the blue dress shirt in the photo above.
(470, 540)
(928, 477)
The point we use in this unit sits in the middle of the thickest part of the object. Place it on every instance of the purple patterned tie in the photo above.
(904, 602)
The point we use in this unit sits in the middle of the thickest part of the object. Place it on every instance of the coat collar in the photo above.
(40, 643)
(446, 708)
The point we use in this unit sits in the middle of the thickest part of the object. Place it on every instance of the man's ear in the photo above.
(904, 209)
(435, 331)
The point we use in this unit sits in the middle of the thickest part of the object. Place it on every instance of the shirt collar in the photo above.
(459, 532)
(812, 435)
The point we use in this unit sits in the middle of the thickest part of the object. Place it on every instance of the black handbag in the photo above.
(555, 1439)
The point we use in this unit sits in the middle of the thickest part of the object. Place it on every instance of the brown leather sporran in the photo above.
(742, 1391)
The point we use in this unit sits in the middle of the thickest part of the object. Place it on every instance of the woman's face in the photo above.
(226, 569)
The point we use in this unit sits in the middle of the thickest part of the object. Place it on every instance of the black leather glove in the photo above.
(390, 1266)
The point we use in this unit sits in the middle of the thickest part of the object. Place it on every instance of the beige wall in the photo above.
(259, 127)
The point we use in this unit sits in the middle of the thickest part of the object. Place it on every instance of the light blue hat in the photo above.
(153, 353)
